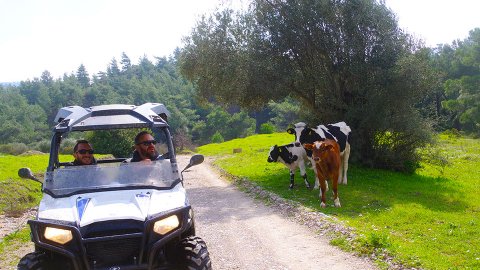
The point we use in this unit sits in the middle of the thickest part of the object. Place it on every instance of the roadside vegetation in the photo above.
(428, 219)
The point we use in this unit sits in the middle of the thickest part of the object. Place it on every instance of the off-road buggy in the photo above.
(114, 215)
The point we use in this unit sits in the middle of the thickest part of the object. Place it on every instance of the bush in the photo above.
(67, 145)
(13, 148)
(452, 133)
(217, 138)
(267, 128)
(42, 146)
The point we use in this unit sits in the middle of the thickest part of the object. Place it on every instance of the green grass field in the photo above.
(426, 220)
(429, 219)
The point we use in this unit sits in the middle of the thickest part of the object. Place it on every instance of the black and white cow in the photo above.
(293, 156)
(339, 132)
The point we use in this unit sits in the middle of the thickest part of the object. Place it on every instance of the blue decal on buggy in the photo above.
(81, 206)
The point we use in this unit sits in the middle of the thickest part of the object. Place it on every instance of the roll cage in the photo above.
(108, 117)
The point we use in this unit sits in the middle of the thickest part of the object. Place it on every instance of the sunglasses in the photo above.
(147, 143)
(84, 151)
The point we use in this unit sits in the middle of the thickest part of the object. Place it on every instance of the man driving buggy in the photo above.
(144, 147)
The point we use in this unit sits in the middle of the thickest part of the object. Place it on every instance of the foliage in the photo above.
(29, 106)
(286, 113)
(217, 138)
(119, 143)
(267, 128)
(229, 126)
(424, 220)
(341, 60)
(13, 148)
(460, 95)
(20, 121)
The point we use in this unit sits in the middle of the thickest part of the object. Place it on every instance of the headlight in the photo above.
(56, 235)
(163, 226)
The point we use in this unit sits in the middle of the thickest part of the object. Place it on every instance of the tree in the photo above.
(125, 62)
(113, 69)
(462, 92)
(46, 78)
(343, 60)
(83, 77)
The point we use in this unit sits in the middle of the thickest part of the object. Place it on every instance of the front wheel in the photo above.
(192, 254)
(33, 261)
(39, 260)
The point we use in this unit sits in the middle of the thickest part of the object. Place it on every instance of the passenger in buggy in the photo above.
(83, 154)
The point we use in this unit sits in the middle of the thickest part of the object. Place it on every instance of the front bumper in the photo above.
(116, 244)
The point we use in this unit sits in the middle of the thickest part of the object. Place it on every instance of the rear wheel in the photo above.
(192, 254)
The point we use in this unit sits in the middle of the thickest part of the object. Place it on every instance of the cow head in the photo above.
(281, 152)
(318, 148)
(297, 130)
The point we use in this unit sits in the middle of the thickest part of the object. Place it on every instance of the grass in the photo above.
(16, 194)
(10, 245)
(429, 219)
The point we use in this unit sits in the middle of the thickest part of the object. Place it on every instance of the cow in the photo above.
(326, 158)
(340, 132)
(293, 156)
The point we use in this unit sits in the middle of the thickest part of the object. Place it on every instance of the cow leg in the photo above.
(322, 196)
(307, 184)
(292, 180)
(316, 185)
(304, 174)
(336, 199)
(344, 166)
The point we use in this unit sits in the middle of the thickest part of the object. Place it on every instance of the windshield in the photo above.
(160, 174)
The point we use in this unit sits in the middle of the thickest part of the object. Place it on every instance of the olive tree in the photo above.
(343, 60)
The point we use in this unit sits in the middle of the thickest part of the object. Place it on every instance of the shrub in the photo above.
(267, 128)
(67, 145)
(13, 148)
(217, 138)
(452, 133)
(42, 146)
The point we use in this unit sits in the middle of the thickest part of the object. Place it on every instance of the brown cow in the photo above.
(326, 156)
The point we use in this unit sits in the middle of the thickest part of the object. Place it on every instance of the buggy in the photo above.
(114, 215)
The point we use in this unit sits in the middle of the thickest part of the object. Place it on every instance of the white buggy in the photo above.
(114, 215)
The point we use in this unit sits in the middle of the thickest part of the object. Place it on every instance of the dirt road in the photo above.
(242, 233)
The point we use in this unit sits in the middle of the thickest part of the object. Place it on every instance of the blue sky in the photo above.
(59, 35)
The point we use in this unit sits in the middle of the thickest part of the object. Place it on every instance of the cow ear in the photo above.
(308, 146)
(290, 131)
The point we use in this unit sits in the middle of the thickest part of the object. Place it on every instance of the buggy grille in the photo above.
(116, 242)
(117, 251)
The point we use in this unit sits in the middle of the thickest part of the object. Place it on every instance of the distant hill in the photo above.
(9, 83)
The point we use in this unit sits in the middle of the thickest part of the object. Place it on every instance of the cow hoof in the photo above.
(323, 205)
(290, 186)
(337, 203)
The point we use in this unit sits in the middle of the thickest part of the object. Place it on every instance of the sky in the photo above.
(60, 35)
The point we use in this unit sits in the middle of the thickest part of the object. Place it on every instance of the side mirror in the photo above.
(195, 160)
(26, 173)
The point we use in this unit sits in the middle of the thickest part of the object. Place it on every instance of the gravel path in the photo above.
(243, 233)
